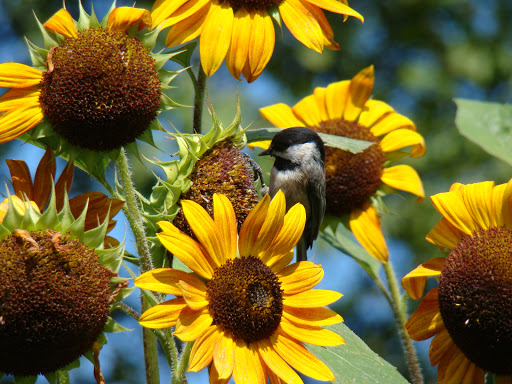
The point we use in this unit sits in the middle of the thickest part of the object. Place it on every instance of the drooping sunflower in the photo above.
(57, 284)
(247, 314)
(353, 180)
(242, 32)
(96, 86)
(470, 313)
(39, 191)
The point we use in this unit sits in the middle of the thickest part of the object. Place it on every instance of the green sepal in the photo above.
(183, 55)
(84, 20)
(113, 326)
(273, 11)
(104, 21)
(93, 21)
(37, 55)
(149, 39)
(49, 40)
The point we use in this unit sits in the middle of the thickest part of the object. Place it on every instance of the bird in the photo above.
(299, 172)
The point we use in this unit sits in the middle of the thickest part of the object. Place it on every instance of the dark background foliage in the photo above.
(425, 52)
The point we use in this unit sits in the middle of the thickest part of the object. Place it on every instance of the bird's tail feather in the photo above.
(301, 250)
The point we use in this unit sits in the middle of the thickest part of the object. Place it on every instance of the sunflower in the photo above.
(248, 315)
(39, 191)
(242, 32)
(353, 180)
(470, 313)
(94, 87)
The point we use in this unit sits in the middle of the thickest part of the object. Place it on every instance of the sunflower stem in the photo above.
(179, 375)
(200, 87)
(132, 212)
(398, 308)
(169, 347)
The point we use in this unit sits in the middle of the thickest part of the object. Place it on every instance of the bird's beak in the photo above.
(266, 152)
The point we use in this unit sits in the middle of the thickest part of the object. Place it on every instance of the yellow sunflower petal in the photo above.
(447, 360)
(189, 9)
(373, 111)
(214, 376)
(300, 358)
(478, 199)
(192, 324)
(216, 36)
(498, 204)
(163, 315)
(201, 354)
(327, 32)
(188, 251)
(194, 294)
(281, 115)
(276, 264)
(122, 18)
(16, 75)
(365, 225)
(401, 138)
(19, 98)
(276, 364)
(271, 226)
(336, 7)
(287, 237)
(300, 277)
(444, 234)
(311, 299)
(405, 178)
(18, 121)
(452, 206)
(165, 280)
(162, 9)
(359, 91)
(310, 334)
(425, 321)
(248, 368)
(414, 281)
(505, 216)
(205, 229)
(238, 52)
(390, 122)
(335, 97)
(302, 23)
(224, 355)
(62, 22)
(457, 369)
(252, 225)
(320, 94)
(308, 111)
(187, 29)
(225, 222)
(312, 316)
(440, 344)
(261, 43)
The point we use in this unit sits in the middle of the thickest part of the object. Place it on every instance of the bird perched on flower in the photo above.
(299, 172)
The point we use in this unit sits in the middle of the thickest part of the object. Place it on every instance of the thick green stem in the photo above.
(179, 374)
(400, 318)
(200, 87)
(132, 212)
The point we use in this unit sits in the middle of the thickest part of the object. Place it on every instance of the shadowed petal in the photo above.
(62, 22)
(187, 29)
(201, 354)
(44, 179)
(359, 91)
(122, 18)
(189, 9)
(194, 293)
(225, 223)
(252, 225)
(21, 178)
(414, 281)
(439, 345)
(425, 321)
(162, 9)
(405, 178)
(478, 200)
(163, 315)
(281, 115)
(444, 234)
(191, 324)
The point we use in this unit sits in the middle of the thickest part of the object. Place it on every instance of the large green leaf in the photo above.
(354, 362)
(351, 145)
(489, 125)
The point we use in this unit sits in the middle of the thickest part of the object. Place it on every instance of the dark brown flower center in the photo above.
(223, 169)
(101, 90)
(253, 5)
(475, 298)
(246, 299)
(351, 178)
(54, 301)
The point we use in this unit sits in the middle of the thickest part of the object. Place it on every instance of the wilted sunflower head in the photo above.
(470, 313)
(56, 287)
(96, 87)
(353, 181)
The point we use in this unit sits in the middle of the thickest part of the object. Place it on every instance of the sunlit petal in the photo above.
(390, 122)
(163, 315)
(122, 18)
(16, 75)
(261, 43)
(18, 121)
(405, 178)
(202, 350)
(312, 298)
(238, 52)
(301, 22)
(335, 98)
(247, 369)
(281, 115)
(308, 111)
(312, 316)
(62, 22)
(165, 280)
(224, 355)
(451, 205)
(300, 277)
(276, 364)
(187, 29)
(373, 111)
(192, 324)
(310, 334)
(336, 7)
(414, 281)
(19, 98)
(162, 9)
(272, 224)
(401, 138)
(359, 91)
(365, 225)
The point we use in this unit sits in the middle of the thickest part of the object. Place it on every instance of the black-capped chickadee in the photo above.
(300, 173)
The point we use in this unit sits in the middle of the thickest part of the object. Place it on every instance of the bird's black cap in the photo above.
(293, 136)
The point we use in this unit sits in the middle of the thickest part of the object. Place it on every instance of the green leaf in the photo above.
(351, 145)
(342, 241)
(354, 362)
(488, 125)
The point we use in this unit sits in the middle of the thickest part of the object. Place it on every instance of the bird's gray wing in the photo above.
(316, 196)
